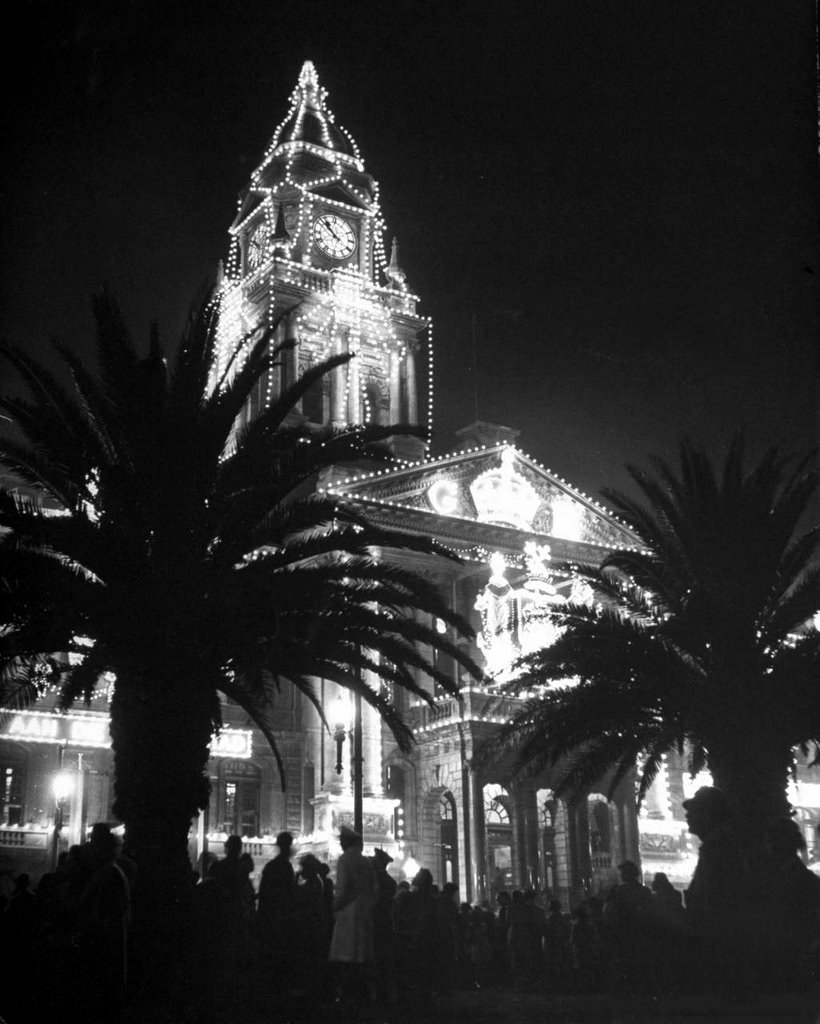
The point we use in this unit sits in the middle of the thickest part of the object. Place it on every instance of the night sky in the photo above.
(610, 209)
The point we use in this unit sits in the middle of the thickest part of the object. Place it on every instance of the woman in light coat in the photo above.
(351, 947)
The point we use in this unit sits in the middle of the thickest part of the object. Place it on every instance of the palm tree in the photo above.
(191, 559)
(700, 643)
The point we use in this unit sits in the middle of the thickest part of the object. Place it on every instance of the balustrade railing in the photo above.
(25, 838)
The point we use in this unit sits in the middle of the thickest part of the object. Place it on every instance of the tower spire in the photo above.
(394, 272)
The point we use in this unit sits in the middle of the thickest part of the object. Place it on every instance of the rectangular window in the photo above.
(12, 794)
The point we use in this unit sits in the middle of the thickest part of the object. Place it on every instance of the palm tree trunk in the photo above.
(754, 775)
(160, 737)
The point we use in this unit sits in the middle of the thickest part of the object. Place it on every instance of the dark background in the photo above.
(609, 207)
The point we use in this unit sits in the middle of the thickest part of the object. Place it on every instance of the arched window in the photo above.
(496, 804)
(600, 828)
(448, 838)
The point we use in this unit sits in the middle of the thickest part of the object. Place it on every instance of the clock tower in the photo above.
(307, 253)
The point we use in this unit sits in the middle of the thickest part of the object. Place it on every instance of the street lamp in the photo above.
(357, 761)
(341, 729)
(62, 786)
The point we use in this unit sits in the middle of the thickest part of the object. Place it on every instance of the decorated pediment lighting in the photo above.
(444, 485)
(501, 495)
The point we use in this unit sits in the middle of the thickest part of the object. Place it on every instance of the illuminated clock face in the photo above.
(334, 237)
(256, 245)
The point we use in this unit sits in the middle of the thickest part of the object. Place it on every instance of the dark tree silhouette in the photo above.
(702, 642)
(154, 539)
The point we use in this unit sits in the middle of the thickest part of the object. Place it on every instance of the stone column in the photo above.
(275, 371)
(580, 862)
(465, 818)
(290, 357)
(394, 388)
(478, 837)
(411, 384)
(371, 747)
(337, 386)
(519, 837)
(529, 805)
(354, 400)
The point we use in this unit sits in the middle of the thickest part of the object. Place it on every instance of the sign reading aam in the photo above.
(74, 730)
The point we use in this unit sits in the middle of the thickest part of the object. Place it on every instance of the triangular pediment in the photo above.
(497, 491)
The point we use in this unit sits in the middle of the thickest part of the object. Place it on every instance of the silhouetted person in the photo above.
(384, 939)
(227, 875)
(328, 889)
(556, 946)
(627, 922)
(351, 947)
(669, 935)
(585, 949)
(414, 919)
(498, 936)
(275, 915)
(246, 967)
(448, 937)
(207, 959)
(665, 896)
(479, 946)
(225, 871)
(525, 933)
(790, 955)
(18, 934)
(720, 894)
(103, 919)
(310, 958)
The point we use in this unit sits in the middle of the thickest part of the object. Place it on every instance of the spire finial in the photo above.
(308, 79)
(308, 91)
(394, 271)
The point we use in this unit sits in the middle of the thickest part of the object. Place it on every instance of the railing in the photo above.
(25, 838)
(477, 706)
(262, 847)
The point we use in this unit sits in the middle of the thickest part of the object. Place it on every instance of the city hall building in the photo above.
(307, 253)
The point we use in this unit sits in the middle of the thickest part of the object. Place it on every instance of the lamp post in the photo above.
(341, 730)
(356, 762)
(341, 727)
(62, 786)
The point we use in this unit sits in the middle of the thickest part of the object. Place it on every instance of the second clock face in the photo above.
(333, 236)
(257, 244)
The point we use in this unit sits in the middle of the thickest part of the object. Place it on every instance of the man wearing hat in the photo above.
(351, 947)
(721, 893)
(384, 938)
(276, 914)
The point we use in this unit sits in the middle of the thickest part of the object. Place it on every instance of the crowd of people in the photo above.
(305, 939)
(71, 930)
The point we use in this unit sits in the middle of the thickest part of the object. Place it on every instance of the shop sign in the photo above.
(232, 743)
(68, 730)
(86, 731)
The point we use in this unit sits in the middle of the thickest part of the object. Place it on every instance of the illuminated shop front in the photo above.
(57, 779)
